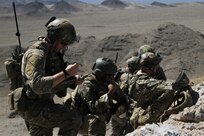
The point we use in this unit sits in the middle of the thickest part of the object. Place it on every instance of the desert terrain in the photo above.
(177, 33)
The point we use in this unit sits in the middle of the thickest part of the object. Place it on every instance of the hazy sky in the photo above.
(146, 1)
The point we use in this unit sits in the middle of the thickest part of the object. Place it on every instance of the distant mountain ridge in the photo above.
(8, 3)
(114, 4)
(63, 6)
(37, 7)
(34, 7)
(160, 4)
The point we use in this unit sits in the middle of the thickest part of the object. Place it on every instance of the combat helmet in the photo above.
(150, 59)
(61, 29)
(103, 66)
(133, 63)
(145, 48)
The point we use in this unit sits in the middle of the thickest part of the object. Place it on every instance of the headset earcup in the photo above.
(51, 34)
(98, 73)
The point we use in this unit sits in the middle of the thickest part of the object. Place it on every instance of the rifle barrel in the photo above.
(116, 57)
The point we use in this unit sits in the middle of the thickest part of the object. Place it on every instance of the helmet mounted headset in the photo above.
(62, 30)
(150, 59)
(103, 67)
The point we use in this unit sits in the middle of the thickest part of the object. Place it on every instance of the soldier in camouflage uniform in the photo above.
(159, 74)
(98, 97)
(151, 96)
(119, 121)
(133, 66)
(44, 72)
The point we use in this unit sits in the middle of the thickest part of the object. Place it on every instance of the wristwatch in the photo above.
(66, 75)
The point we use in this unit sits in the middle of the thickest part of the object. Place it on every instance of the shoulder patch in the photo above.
(32, 62)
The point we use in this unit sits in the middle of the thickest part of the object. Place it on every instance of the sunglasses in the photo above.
(71, 42)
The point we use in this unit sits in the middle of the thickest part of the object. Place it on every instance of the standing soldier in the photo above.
(98, 97)
(42, 77)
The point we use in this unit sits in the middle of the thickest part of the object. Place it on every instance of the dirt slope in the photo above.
(180, 47)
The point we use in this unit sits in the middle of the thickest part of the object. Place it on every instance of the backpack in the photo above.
(13, 69)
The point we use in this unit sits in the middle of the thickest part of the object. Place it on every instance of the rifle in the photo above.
(17, 51)
(116, 57)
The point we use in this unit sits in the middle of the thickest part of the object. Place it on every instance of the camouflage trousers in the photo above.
(152, 113)
(93, 125)
(120, 126)
(43, 116)
(120, 122)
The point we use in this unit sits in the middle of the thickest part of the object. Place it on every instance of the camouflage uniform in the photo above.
(119, 122)
(90, 99)
(132, 67)
(152, 97)
(41, 112)
(160, 72)
(126, 81)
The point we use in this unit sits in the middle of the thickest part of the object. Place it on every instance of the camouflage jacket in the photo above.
(144, 89)
(126, 78)
(38, 66)
(90, 98)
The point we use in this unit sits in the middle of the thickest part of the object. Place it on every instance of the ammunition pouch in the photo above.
(11, 101)
(10, 67)
(17, 99)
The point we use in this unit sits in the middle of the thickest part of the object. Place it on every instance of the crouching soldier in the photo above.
(132, 66)
(153, 96)
(97, 98)
(159, 74)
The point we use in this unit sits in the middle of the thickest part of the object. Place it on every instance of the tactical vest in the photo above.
(21, 91)
(54, 64)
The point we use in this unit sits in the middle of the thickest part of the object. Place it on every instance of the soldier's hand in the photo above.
(111, 89)
(72, 69)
